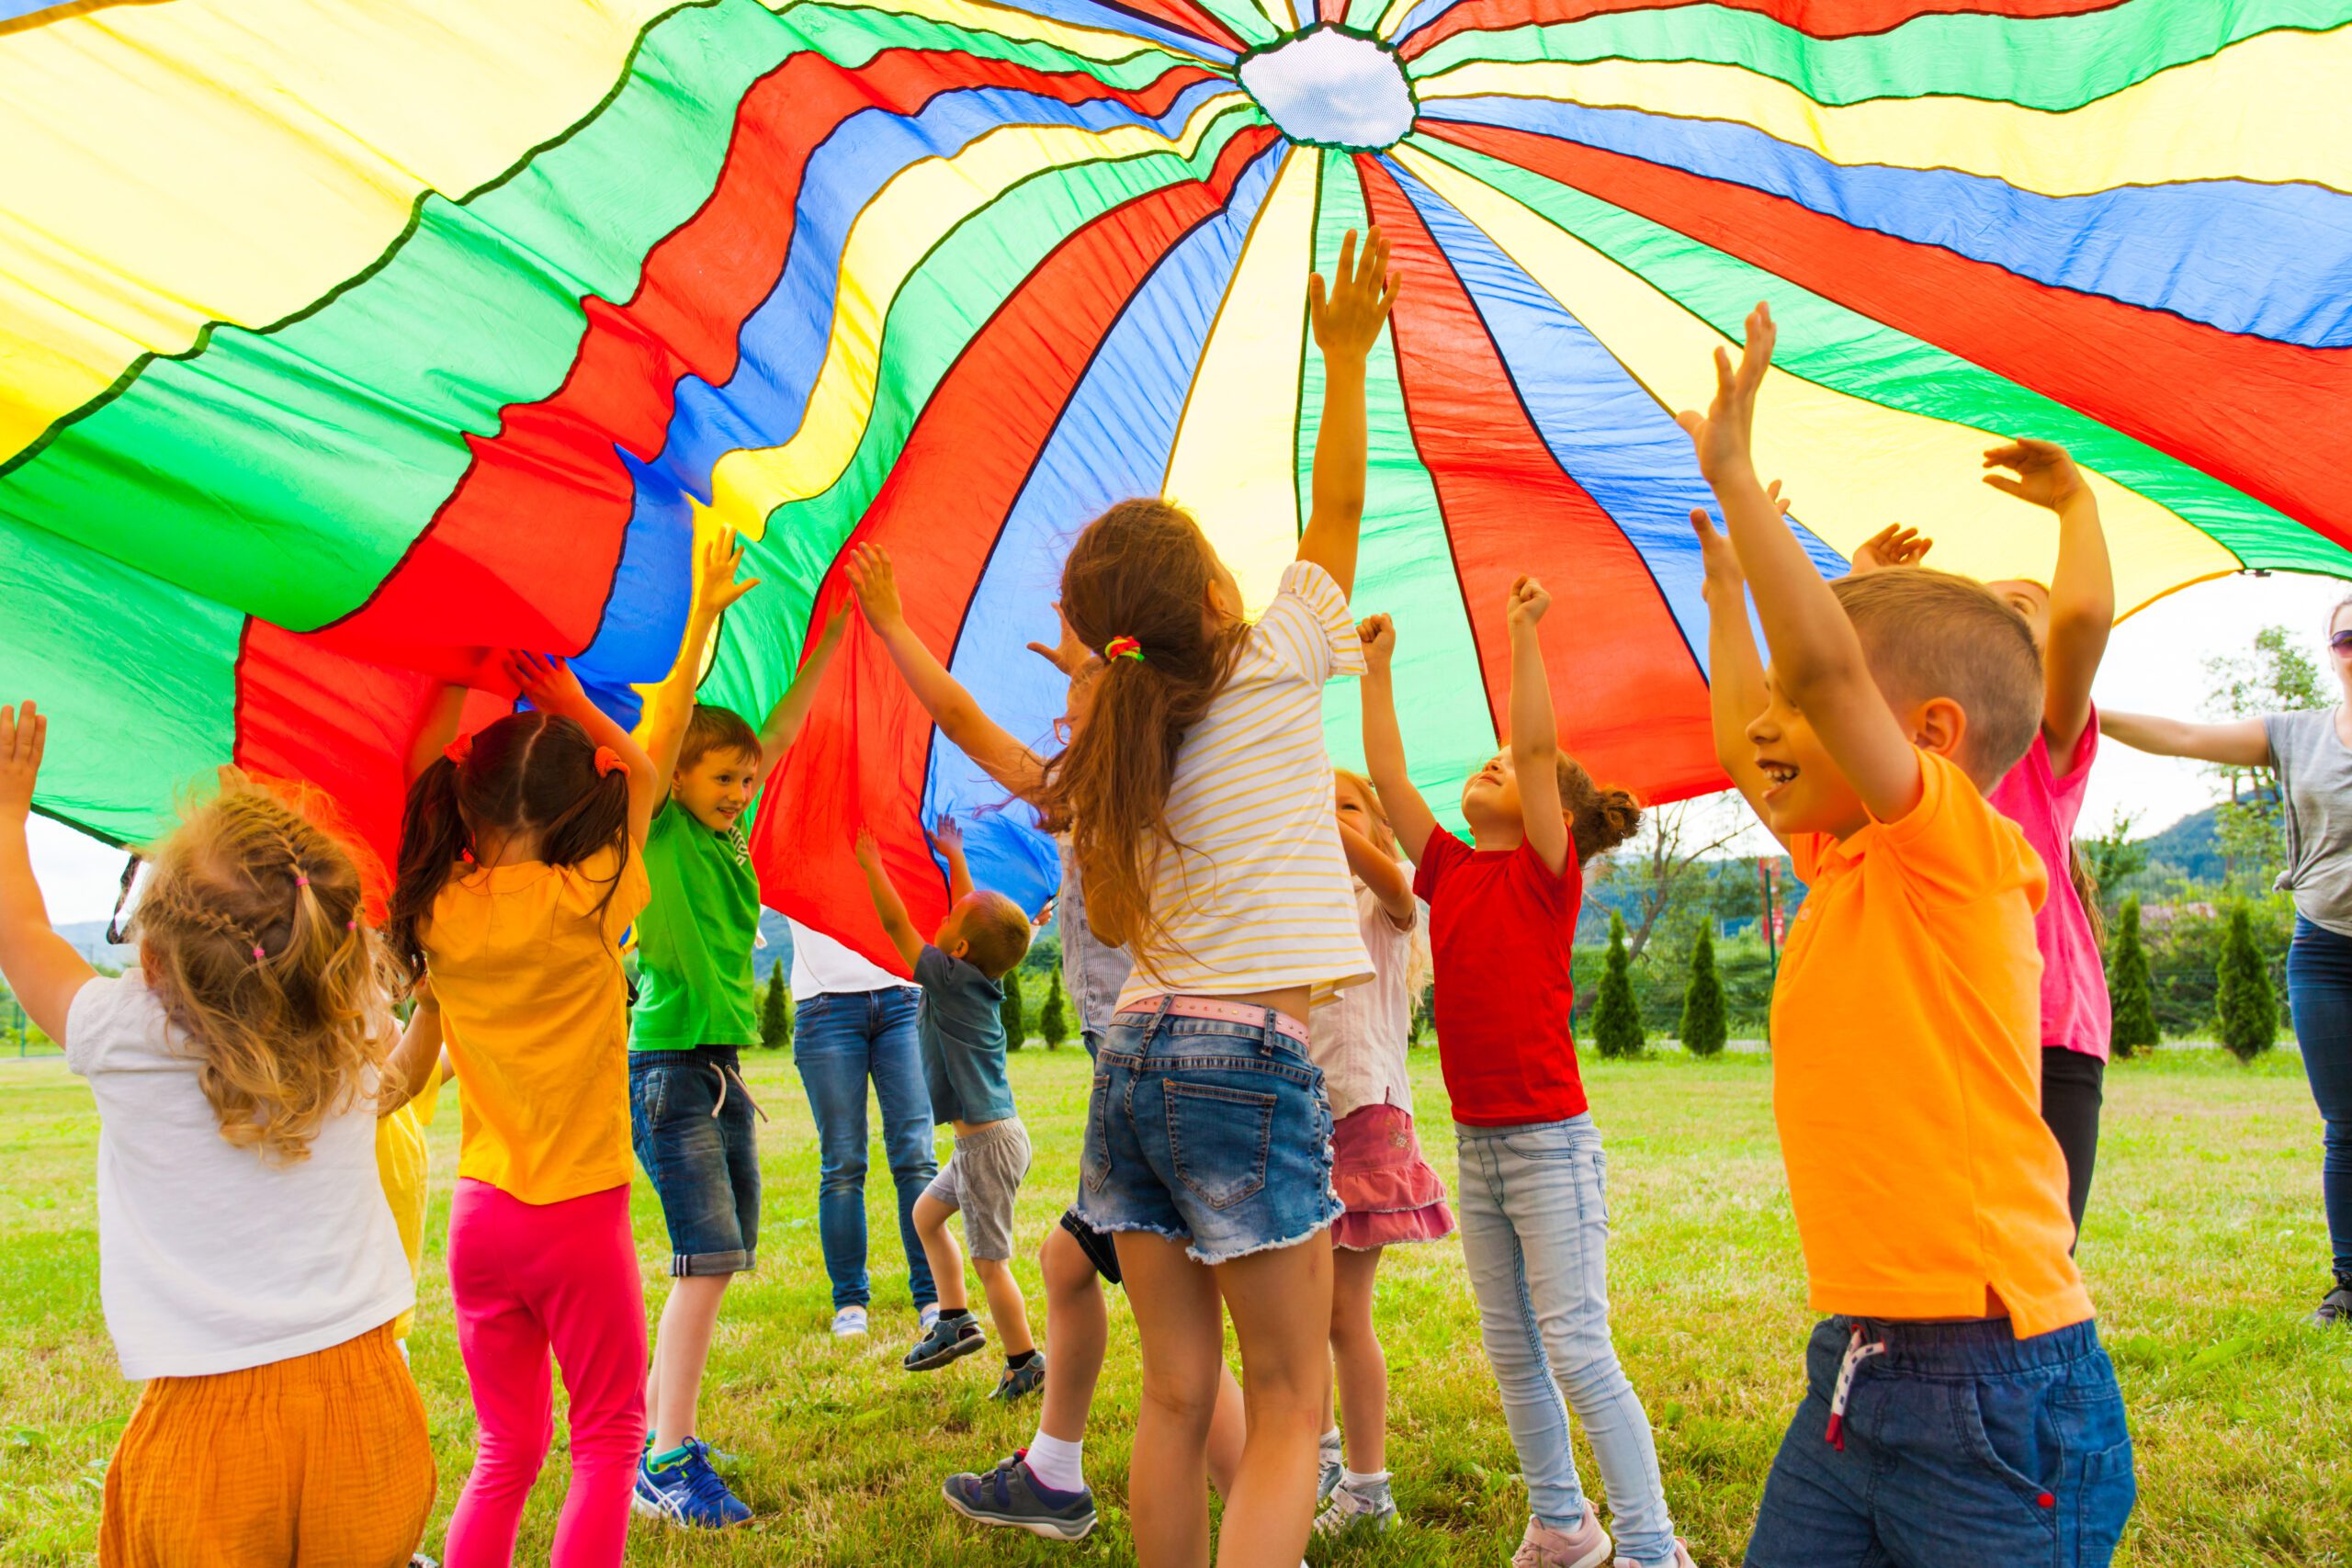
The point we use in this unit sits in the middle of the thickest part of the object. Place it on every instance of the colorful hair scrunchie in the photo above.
(608, 762)
(460, 749)
(1123, 648)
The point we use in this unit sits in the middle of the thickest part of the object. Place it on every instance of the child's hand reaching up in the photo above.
(1893, 544)
(947, 837)
(717, 588)
(1379, 634)
(875, 583)
(1070, 655)
(2046, 475)
(1349, 321)
(869, 854)
(24, 736)
(1722, 437)
(547, 684)
(1528, 603)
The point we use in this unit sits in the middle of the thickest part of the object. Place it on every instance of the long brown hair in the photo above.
(529, 773)
(252, 935)
(1143, 570)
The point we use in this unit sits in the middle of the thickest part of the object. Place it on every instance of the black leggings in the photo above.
(2071, 1088)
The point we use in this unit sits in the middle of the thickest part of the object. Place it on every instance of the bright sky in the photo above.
(2155, 663)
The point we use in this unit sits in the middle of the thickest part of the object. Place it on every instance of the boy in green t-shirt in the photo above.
(690, 1115)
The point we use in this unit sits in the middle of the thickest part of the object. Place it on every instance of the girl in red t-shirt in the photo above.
(1535, 1219)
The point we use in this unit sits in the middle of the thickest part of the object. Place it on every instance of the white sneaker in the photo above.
(1681, 1558)
(1586, 1546)
(849, 1323)
(1375, 1510)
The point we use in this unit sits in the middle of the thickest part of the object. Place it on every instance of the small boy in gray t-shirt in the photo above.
(961, 1032)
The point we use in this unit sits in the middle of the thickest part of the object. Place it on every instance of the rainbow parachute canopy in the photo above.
(341, 343)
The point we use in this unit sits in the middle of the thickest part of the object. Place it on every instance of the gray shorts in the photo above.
(980, 1178)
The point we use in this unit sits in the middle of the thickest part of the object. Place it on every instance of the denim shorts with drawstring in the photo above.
(1212, 1133)
(690, 1124)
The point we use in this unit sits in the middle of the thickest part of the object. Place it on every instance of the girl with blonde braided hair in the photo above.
(247, 1264)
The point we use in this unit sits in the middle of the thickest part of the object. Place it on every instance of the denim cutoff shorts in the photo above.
(1212, 1133)
(690, 1122)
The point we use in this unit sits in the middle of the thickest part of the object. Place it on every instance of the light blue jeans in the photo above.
(1535, 1235)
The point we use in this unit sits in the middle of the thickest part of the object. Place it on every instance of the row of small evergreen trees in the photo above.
(1052, 1022)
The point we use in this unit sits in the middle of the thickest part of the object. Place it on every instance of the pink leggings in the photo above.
(526, 1278)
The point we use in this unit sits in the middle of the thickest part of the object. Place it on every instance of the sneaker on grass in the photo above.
(946, 1340)
(681, 1488)
(1028, 1378)
(1011, 1495)
(1371, 1509)
(2336, 1307)
(849, 1323)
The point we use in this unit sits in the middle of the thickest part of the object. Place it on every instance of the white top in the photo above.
(821, 967)
(1259, 896)
(210, 1259)
(1359, 1036)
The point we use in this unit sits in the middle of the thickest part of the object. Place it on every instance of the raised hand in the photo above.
(869, 854)
(717, 588)
(1070, 654)
(1359, 297)
(1720, 561)
(875, 583)
(548, 683)
(2046, 475)
(1724, 436)
(24, 735)
(1526, 605)
(947, 837)
(835, 623)
(1893, 544)
(1379, 634)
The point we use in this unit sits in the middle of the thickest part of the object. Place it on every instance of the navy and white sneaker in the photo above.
(687, 1491)
(1011, 1495)
(945, 1340)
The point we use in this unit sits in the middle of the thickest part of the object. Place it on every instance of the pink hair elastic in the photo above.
(258, 955)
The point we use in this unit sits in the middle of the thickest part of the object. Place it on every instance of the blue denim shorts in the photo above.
(1962, 1444)
(690, 1122)
(1208, 1133)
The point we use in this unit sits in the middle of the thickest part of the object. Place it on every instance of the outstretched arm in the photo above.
(2082, 590)
(2241, 743)
(1817, 659)
(958, 715)
(948, 840)
(791, 710)
(41, 966)
(1346, 326)
(553, 688)
(671, 703)
(418, 1055)
(1735, 673)
(1534, 730)
(1376, 871)
(1383, 743)
(887, 902)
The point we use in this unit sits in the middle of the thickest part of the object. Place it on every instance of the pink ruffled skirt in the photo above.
(1391, 1193)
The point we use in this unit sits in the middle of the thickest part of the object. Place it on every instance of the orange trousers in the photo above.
(319, 1461)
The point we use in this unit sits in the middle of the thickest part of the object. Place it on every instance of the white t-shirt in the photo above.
(821, 967)
(209, 1259)
(1359, 1036)
(1258, 898)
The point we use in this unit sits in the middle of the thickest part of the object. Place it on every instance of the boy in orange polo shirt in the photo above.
(1960, 1409)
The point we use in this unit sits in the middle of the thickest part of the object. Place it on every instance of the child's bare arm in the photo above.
(1376, 871)
(438, 727)
(1534, 730)
(2082, 590)
(948, 840)
(791, 710)
(2241, 743)
(1346, 326)
(887, 902)
(41, 966)
(553, 688)
(1383, 743)
(671, 703)
(418, 1054)
(1817, 659)
(1735, 673)
(958, 715)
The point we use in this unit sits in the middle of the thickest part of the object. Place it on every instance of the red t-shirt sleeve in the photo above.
(1441, 854)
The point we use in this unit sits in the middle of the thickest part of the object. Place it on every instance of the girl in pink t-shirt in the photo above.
(2043, 793)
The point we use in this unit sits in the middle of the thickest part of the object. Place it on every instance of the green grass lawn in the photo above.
(2205, 1251)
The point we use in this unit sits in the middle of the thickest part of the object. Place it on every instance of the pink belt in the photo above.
(1223, 1013)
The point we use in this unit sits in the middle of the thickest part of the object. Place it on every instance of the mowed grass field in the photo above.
(2205, 1251)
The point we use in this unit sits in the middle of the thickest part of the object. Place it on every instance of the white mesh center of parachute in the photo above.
(1331, 88)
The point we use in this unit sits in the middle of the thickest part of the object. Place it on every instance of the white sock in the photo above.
(1331, 1442)
(1058, 1464)
(1356, 1481)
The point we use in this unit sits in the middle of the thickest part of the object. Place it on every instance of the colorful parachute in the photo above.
(341, 343)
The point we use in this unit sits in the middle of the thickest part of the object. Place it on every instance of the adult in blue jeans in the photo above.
(854, 1023)
(2312, 752)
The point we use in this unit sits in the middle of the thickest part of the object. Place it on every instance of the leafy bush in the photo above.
(2136, 1007)
(1616, 1016)
(1703, 1032)
(2245, 1004)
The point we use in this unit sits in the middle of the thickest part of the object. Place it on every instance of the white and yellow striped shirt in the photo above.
(1257, 895)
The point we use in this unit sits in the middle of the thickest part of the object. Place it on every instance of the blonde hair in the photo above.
(1930, 633)
(1419, 964)
(997, 931)
(252, 935)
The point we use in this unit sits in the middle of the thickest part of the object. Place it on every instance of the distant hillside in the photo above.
(2190, 846)
(89, 938)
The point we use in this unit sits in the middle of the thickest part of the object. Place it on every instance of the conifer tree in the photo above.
(775, 1018)
(1616, 1016)
(2133, 990)
(1016, 1022)
(1703, 1032)
(2246, 1003)
(1053, 1020)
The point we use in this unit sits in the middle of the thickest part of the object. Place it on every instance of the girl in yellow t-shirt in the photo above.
(519, 874)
